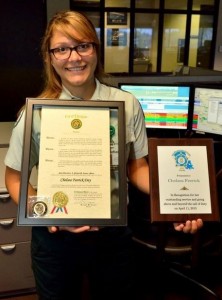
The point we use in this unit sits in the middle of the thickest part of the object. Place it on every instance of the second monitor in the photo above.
(207, 112)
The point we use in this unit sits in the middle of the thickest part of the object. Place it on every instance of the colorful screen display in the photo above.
(164, 106)
(207, 111)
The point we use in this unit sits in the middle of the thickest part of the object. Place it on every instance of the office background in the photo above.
(161, 43)
(22, 26)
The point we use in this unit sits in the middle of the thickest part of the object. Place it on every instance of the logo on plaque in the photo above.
(182, 159)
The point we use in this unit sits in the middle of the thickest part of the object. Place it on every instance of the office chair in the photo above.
(173, 254)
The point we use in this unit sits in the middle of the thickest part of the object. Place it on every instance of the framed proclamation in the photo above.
(78, 148)
(182, 180)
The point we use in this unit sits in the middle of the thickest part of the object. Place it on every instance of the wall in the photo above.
(55, 5)
(194, 40)
(174, 29)
(197, 75)
(22, 26)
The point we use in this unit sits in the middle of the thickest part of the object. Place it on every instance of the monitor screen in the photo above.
(207, 111)
(164, 106)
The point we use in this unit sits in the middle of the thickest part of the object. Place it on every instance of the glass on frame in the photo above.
(173, 33)
(116, 39)
(201, 41)
(117, 3)
(169, 4)
(145, 43)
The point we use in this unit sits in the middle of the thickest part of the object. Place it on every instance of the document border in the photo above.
(154, 180)
(37, 103)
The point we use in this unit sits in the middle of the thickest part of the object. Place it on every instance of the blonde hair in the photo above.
(66, 21)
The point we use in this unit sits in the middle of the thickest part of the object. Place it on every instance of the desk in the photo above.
(142, 65)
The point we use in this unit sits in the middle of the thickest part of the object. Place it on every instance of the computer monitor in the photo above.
(164, 106)
(207, 110)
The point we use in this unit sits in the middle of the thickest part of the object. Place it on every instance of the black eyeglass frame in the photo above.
(72, 49)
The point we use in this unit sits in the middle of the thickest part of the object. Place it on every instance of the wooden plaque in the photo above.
(182, 180)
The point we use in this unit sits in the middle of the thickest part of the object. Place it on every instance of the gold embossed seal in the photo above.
(60, 200)
(76, 123)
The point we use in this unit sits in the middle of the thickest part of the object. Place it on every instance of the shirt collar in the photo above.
(66, 95)
(99, 92)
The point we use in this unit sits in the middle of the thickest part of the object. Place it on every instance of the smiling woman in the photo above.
(62, 254)
(72, 67)
(74, 64)
(81, 52)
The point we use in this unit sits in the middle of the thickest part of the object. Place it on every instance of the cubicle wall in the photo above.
(195, 76)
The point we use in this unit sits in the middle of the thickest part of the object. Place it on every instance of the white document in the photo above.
(184, 186)
(74, 162)
(212, 110)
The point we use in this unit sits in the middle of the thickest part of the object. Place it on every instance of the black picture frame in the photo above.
(31, 209)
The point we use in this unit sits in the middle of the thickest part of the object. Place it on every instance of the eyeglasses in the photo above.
(83, 49)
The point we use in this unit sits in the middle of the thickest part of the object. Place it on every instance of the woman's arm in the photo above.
(138, 174)
(13, 181)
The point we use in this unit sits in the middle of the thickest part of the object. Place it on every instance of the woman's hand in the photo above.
(76, 229)
(189, 226)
